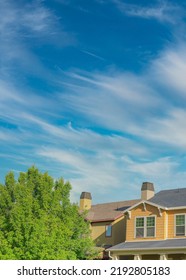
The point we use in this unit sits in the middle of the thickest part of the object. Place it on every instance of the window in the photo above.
(145, 227)
(108, 230)
(150, 227)
(180, 225)
(139, 227)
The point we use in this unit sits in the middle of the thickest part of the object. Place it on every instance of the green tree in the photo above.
(37, 220)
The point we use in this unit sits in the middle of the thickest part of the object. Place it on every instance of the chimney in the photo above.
(147, 191)
(85, 201)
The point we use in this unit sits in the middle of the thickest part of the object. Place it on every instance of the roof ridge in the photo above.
(176, 189)
(121, 201)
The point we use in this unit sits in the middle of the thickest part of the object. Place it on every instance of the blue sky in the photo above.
(94, 91)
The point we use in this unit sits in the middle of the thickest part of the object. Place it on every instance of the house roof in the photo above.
(109, 211)
(167, 199)
(170, 198)
(148, 245)
(114, 210)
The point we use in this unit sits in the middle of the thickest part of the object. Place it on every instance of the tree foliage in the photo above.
(37, 220)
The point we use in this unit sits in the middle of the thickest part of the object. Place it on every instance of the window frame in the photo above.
(106, 227)
(175, 226)
(145, 218)
(140, 227)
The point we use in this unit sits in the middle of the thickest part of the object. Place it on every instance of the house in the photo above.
(152, 227)
(107, 221)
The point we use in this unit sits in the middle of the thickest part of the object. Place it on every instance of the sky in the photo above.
(94, 92)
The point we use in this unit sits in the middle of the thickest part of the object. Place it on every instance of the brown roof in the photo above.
(109, 211)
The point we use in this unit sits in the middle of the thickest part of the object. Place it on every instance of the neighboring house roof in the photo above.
(170, 198)
(109, 211)
(150, 245)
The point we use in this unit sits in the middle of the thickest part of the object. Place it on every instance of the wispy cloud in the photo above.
(170, 68)
(169, 129)
(25, 27)
(93, 55)
(30, 20)
(98, 173)
(121, 135)
(129, 126)
(146, 106)
(164, 11)
(113, 100)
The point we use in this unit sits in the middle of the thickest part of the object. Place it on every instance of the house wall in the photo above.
(140, 211)
(171, 222)
(118, 232)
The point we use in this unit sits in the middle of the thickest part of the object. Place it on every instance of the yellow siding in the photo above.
(140, 211)
(85, 204)
(171, 222)
(118, 232)
(123, 229)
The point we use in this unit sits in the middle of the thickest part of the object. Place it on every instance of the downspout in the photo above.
(110, 255)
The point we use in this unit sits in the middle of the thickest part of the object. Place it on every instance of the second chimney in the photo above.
(147, 191)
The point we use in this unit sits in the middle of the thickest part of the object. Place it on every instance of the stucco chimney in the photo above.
(147, 190)
(85, 201)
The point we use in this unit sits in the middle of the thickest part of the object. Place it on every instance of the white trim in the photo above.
(160, 213)
(155, 205)
(129, 214)
(148, 249)
(144, 206)
(176, 208)
(166, 225)
(145, 226)
(135, 227)
(145, 202)
(137, 257)
(147, 240)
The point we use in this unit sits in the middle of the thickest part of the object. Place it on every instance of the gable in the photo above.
(143, 204)
(145, 209)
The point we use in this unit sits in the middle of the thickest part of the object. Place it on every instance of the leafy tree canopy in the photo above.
(37, 220)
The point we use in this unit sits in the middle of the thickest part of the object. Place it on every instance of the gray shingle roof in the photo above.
(170, 198)
(146, 245)
(113, 210)
(109, 211)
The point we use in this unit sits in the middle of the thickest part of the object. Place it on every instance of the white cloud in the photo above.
(114, 100)
(23, 28)
(127, 123)
(170, 69)
(153, 168)
(148, 107)
(5, 136)
(7, 92)
(87, 140)
(38, 19)
(27, 20)
(169, 130)
(98, 171)
(163, 12)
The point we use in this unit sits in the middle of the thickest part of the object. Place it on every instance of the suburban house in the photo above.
(152, 227)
